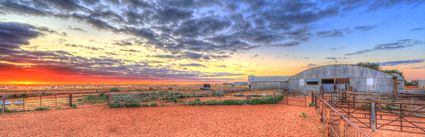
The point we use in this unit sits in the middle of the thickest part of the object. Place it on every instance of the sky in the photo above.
(167, 41)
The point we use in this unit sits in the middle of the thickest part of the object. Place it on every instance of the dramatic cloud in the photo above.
(417, 29)
(365, 27)
(192, 65)
(77, 29)
(330, 33)
(191, 30)
(311, 65)
(399, 62)
(389, 46)
(195, 26)
(12, 35)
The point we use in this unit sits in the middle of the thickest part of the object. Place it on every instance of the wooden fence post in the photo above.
(41, 102)
(373, 116)
(108, 99)
(56, 101)
(341, 127)
(401, 117)
(274, 95)
(3, 104)
(23, 103)
(70, 100)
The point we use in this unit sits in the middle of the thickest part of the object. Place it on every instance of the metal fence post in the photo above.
(373, 116)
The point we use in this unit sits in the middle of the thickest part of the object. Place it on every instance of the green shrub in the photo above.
(238, 94)
(195, 103)
(390, 107)
(92, 99)
(132, 103)
(114, 90)
(153, 104)
(116, 105)
(311, 104)
(42, 108)
(303, 115)
(217, 93)
(263, 100)
(365, 106)
(233, 102)
(74, 106)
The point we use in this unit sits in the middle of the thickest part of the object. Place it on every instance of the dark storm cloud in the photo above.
(389, 46)
(20, 8)
(204, 26)
(399, 62)
(365, 27)
(189, 29)
(13, 34)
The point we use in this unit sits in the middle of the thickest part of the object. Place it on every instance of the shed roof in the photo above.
(267, 78)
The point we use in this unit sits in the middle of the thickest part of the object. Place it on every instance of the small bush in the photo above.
(114, 90)
(42, 108)
(74, 106)
(132, 103)
(153, 105)
(239, 94)
(303, 115)
(233, 102)
(217, 93)
(197, 99)
(365, 106)
(390, 107)
(195, 103)
(311, 104)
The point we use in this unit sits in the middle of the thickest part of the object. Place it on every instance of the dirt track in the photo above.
(246, 120)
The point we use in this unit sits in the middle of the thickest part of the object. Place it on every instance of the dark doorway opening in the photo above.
(328, 85)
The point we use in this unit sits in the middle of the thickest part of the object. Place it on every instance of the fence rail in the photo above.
(294, 98)
(337, 125)
(392, 115)
(15, 103)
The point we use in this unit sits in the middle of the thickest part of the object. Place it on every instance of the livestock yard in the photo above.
(222, 110)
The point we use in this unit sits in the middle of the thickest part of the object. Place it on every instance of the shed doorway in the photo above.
(328, 85)
(342, 84)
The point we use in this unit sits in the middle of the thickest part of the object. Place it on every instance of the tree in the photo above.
(377, 67)
(369, 65)
(389, 71)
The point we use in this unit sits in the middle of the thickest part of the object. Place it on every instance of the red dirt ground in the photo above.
(245, 120)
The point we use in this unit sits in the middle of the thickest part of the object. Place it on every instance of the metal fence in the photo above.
(295, 98)
(23, 102)
(390, 115)
(337, 125)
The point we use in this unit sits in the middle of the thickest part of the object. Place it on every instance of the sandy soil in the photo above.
(246, 120)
